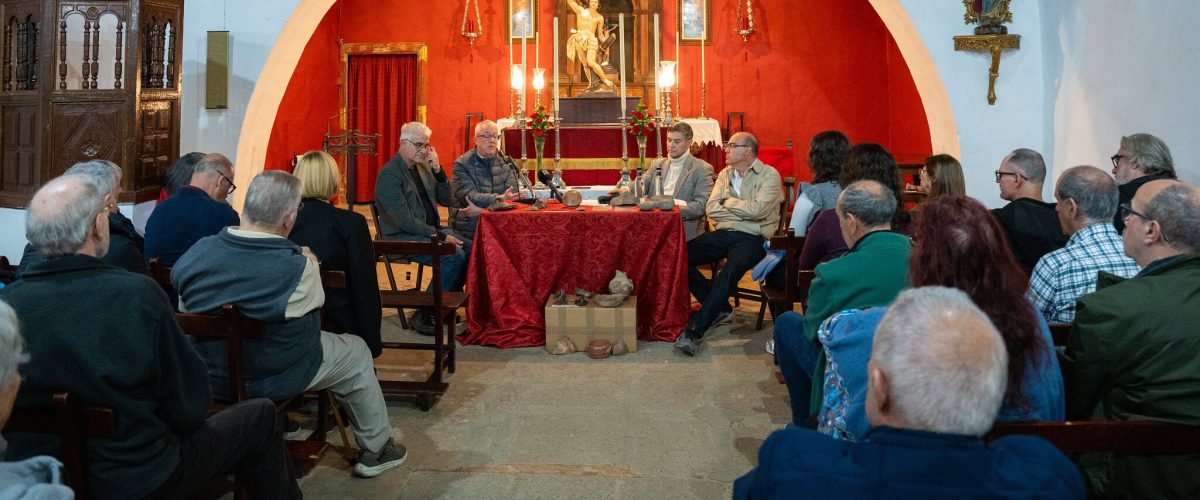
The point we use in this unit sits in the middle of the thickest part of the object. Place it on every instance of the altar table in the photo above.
(521, 257)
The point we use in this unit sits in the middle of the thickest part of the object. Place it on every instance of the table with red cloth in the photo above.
(521, 257)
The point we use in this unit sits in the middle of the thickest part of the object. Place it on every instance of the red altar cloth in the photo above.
(521, 257)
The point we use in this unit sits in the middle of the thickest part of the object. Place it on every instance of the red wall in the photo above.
(813, 65)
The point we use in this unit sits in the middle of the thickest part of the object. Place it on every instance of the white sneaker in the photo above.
(770, 347)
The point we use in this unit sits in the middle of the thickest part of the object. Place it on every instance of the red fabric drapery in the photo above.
(382, 96)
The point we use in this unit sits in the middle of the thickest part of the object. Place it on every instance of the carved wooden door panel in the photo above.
(156, 150)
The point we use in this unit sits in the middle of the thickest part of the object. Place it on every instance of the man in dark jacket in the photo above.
(1031, 224)
(124, 243)
(480, 177)
(1140, 159)
(934, 386)
(195, 211)
(1132, 350)
(279, 283)
(110, 337)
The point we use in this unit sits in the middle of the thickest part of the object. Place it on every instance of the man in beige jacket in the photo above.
(744, 208)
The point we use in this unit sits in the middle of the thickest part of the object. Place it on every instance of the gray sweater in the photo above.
(258, 275)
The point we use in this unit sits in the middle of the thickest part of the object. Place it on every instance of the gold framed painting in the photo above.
(695, 22)
(522, 19)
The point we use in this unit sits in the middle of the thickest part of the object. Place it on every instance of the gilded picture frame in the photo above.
(695, 22)
(522, 19)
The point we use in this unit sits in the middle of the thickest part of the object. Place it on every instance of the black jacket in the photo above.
(1125, 194)
(340, 240)
(124, 247)
(1033, 230)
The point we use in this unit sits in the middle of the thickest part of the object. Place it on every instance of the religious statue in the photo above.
(989, 14)
(587, 40)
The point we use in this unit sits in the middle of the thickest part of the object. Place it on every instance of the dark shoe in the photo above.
(687, 342)
(422, 322)
(722, 317)
(371, 464)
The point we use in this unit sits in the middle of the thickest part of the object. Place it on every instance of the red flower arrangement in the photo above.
(642, 121)
(540, 122)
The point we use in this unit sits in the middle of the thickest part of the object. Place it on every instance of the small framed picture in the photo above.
(522, 19)
(695, 22)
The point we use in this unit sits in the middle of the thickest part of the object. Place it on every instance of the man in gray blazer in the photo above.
(687, 178)
(407, 192)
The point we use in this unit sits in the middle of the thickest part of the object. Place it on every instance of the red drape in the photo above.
(382, 96)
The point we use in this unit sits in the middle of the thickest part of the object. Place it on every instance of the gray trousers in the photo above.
(347, 370)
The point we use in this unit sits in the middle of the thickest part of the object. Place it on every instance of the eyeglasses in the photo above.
(1117, 158)
(486, 137)
(1000, 174)
(421, 146)
(232, 186)
(735, 146)
(1126, 209)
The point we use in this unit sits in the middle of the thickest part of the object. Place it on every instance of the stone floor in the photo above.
(521, 423)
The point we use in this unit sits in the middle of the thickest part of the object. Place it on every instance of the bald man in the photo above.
(1132, 351)
(110, 337)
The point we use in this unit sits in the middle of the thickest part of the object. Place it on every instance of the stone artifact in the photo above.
(572, 198)
(581, 301)
(563, 346)
(625, 198)
(610, 300)
(619, 348)
(583, 293)
(647, 205)
(599, 349)
(500, 206)
(621, 284)
(560, 297)
(662, 201)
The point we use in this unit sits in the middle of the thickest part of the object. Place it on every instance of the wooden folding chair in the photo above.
(795, 288)
(74, 423)
(388, 260)
(444, 305)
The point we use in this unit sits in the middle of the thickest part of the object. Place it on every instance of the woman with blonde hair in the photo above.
(340, 240)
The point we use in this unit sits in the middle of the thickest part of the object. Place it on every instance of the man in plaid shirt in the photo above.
(1087, 200)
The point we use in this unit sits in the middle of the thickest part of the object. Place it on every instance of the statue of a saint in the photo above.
(585, 40)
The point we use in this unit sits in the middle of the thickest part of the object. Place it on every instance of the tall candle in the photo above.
(523, 68)
(554, 43)
(621, 39)
(703, 40)
(537, 40)
(510, 36)
(678, 82)
(657, 57)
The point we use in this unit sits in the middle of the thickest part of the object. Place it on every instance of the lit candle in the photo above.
(703, 40)
(537, 42)
(624, 107)
(524, 39)
(554, 43)
(657, 57)
(678, 66)
(510, 36)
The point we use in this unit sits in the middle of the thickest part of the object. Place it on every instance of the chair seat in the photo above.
(421, 299)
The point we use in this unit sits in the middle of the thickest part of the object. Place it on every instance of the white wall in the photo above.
(1126, 66)
(988, 133)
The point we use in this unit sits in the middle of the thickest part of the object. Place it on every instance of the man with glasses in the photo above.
(1140, 159)
(408, 190)
(1132, 350)
(1031, 224)
(687, 178)
(480, 178)
(744, 208)
(1087, 200)
(197, 210)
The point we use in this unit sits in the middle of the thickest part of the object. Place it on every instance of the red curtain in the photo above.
(382, 96)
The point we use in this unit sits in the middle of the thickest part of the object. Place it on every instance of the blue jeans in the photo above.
(741, 252)
(454, 269)
(797, 360)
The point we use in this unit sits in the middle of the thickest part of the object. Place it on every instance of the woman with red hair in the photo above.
(957, 244)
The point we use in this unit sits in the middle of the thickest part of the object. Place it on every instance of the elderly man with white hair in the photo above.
(124, 243)
(110, 337)
(936, 380)
(480, 178)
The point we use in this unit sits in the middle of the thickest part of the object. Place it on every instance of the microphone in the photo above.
(521, 179)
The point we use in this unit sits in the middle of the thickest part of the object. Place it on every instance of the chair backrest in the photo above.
(230, 326)
(1134, 437)
(1060, 333)
(75, 423)
(433, 248)
(796, 285)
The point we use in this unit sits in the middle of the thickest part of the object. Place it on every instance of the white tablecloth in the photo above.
(705, 130)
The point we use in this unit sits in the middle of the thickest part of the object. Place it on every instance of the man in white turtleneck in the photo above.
(687, 178)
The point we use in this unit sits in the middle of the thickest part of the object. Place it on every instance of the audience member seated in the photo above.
(959, 245)
(38, 477)
(683, 176)
(863, 162)
(197, 210)
(178, 175)
(870, 274)
(341, 241)
(1140, 159)
(941, 175)
(116, 344)
(935, 382)
(1132, 352)
(1031, 224)
(124, 243)
(826, 153)
(744, 208)
(408, 190)
(481, 178)
(1087, 200)
(279, 284)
